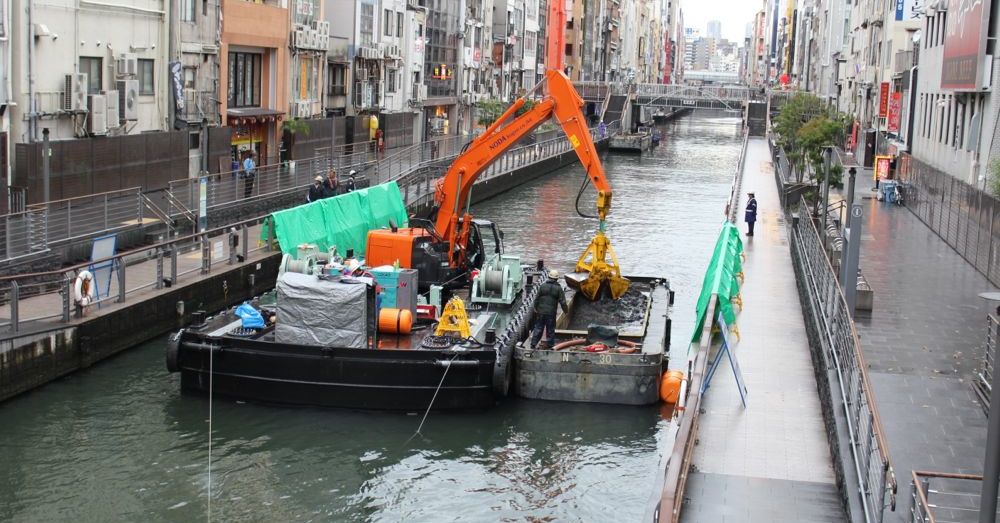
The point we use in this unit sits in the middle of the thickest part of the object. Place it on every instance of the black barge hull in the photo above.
(335, 377)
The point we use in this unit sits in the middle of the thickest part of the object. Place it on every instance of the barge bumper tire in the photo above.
(173, 352)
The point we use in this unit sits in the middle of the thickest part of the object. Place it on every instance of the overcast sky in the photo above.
(734, 15)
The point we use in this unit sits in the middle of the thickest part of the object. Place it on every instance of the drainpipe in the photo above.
(31, 74)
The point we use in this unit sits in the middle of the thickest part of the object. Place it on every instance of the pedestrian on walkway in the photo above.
(550, 298)
(350, 181)
(603, 129)
(330, 184)
(249, 173)
(750, 215)
(316, 191)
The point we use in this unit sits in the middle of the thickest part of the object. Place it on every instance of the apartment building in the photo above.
(195, 64)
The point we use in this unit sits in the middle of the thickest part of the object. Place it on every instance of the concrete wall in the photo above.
(79, 30)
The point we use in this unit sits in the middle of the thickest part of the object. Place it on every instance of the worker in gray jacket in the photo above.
(550, 298)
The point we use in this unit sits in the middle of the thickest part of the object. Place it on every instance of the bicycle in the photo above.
(897, 195)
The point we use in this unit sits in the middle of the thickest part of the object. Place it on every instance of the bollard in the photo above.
(246, 237)
(234, 242)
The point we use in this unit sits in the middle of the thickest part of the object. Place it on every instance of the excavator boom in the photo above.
(453, 190)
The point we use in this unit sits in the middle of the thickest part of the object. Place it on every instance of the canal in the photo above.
(119, 442)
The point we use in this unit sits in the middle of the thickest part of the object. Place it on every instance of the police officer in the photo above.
(750, 215)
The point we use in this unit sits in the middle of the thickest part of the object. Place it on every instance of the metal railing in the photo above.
(169, 267)
(700, 92)
(733, 205)
(17, 199)
(41, 226)
(983, 381)
(939, 497)
(842, 352)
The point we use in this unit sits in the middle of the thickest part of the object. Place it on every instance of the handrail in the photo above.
(861, 367)
(733, 205)
(122, 192)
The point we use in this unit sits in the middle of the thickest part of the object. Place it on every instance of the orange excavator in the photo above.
(453, 245)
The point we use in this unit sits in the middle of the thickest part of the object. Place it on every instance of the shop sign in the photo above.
(965, 44)
(881, 167)
(883, 99)
(895, 109)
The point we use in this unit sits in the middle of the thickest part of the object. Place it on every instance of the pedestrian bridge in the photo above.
(682, 96)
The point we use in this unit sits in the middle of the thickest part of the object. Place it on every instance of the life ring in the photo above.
(83, 288)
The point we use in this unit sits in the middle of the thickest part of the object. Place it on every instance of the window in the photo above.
(336, 78)
(244, 79)
(390, 80)
(91, 66)
(187, 10)
(305, 12)
(146, 77)
(367, 24)
(387, 22)
(190, 73)
(569, 49)
(399, 25)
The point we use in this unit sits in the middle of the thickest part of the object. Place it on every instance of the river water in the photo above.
(119, 442)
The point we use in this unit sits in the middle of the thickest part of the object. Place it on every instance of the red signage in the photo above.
(895, 108)
(965, 44)
(883, 99)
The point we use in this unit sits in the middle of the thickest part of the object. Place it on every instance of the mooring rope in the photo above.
(434, 397)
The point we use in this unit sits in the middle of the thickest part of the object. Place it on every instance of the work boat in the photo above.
(323, 342)
(606, 351)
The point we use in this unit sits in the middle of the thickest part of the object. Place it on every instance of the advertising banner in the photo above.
(964, 44)
(895, 109)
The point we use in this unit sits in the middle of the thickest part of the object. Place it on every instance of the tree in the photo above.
(490, 110)
(805, 126)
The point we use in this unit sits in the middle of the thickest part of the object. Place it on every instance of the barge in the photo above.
(605, 351)
(335, 356)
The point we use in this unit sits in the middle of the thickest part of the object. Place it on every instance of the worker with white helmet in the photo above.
(550, 298)
(350, 181)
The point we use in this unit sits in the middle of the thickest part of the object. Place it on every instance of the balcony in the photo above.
(199, 105)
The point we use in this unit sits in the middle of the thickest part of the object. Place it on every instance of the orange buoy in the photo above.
(395, 321)
(670, 386)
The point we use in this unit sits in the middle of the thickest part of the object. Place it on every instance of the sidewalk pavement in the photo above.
(922, 342)
(771, 461)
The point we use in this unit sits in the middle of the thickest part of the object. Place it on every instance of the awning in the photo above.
(245, 115)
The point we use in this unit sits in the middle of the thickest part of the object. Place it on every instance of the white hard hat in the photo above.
(353, 172)
(319, 178)
(554, 274)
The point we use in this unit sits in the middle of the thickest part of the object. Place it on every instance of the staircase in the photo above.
(615, 108)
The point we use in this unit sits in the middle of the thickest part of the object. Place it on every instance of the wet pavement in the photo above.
(922, 342)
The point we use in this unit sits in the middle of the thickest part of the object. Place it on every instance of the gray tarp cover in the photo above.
(319, 312)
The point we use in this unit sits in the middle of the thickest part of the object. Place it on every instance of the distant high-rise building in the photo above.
(714, 29)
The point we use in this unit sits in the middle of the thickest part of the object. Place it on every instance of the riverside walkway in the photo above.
(771, 461)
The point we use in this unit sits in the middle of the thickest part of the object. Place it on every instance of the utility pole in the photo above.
(46, 174)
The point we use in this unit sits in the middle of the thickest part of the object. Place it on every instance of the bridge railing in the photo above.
(944, 497)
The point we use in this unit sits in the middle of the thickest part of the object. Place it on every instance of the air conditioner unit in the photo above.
(324, 42)
(322, 27)
(114, 116)
(75, 92)
(97, 120)
(299, 38)
(128, 100)
(127, 64)
(313, 39)
(302, 109)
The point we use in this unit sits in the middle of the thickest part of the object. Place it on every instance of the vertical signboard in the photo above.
(882, 164)
(965, 44)
(883, 100)
(895, 109)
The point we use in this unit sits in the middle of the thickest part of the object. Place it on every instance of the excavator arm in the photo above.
(452, 194)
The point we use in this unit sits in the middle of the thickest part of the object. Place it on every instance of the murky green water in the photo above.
(120, 442)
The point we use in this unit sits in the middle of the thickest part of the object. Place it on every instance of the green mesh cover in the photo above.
(720, 278)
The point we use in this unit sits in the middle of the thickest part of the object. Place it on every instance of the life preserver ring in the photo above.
(83, 288)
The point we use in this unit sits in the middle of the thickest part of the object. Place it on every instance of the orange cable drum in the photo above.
(395, 321)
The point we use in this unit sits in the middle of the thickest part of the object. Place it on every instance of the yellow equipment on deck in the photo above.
(454, 321)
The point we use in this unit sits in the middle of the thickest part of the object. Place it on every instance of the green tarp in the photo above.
(343, 221)
(720, 278)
